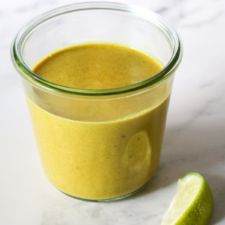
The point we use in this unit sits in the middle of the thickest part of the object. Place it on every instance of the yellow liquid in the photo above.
(98, 150)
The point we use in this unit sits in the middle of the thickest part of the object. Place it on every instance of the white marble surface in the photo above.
(195, 135)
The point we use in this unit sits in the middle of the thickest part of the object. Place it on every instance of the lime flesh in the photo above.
(192, 204)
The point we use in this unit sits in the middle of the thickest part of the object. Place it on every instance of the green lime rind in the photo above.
(193, 203)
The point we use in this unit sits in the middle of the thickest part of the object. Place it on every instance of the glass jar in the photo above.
(98, 144)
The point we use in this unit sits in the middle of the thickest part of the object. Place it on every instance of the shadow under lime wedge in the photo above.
(192, 204)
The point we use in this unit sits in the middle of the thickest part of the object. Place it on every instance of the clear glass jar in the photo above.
(98, 144)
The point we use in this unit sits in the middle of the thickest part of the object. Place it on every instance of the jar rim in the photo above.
(148, 15)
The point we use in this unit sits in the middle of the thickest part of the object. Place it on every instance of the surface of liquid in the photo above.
(99, 157)
(97, 66)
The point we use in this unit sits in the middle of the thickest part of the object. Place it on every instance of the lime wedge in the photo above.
(192, 204)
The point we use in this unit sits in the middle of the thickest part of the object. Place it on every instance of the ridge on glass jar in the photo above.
(98, 144)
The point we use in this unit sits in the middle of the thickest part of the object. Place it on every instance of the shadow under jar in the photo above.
(100, 144)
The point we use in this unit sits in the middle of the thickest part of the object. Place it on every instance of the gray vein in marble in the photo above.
(162, 10)
(34, 6)
(210, 102)
(206, 21)
(181, 14)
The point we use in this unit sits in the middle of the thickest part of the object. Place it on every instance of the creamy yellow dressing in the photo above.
(95, 152)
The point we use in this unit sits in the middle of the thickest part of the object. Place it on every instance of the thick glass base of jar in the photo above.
(113, 199)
